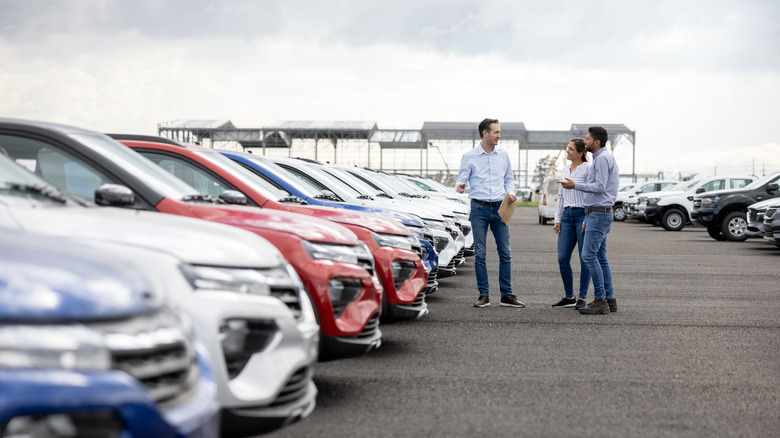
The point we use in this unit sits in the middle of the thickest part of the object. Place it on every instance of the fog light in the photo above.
(241, 339)
(99, 424)
(402, 270)
(342, 292)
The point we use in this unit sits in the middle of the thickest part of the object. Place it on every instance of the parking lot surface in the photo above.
(693, 351)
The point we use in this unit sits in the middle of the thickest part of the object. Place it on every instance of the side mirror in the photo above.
(233, 197)
(772, 187)
(700, 190)
(114, 195)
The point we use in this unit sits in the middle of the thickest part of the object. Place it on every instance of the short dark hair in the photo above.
(485, 125)
(579, 145)
(599, 133)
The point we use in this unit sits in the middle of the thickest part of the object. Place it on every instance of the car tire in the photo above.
(734, 226)
(673, 220)
(544, 220)
(715, 233)
(619, 213)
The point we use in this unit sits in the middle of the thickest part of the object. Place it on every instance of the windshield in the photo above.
(259, 185)
(313, 177)
(282, 173)
(767, 179)
(350, 181)
(155, 176)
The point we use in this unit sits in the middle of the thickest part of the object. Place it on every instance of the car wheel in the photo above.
(734, 226)
(715, 233)
(544, 220)
(540, 219)
(673, 220)
(619, 213)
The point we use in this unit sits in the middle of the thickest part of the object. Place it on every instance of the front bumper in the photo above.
(259, 396)
(653, 213)
(114, 398)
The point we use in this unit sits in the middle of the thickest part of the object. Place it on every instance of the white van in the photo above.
(548, 199)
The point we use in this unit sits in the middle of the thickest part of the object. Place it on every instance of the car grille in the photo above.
(296, 386)
(371, 327)
(366, 261)
(154, 350)
(289, 296)
(696, 203)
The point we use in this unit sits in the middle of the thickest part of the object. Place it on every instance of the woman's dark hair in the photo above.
(579, 145)
(485, 126)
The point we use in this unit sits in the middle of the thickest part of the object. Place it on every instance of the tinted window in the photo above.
(717, 184)
(738, 183)
(58, 167)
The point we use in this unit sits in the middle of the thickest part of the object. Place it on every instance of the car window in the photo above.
(71, 174)
(664, 186)
(648, 188)
(717, 184)
(188, 172)
(738, 183)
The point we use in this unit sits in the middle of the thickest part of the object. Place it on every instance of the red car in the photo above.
(398, 267)
(336, 268)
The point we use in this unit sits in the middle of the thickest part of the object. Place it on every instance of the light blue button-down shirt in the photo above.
(489, 176)
(601, 183)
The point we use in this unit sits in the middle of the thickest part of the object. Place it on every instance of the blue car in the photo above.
(88, 348)
(273, 174)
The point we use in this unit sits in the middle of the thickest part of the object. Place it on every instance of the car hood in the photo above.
(351, 217)
(305, 227)
(50, 279)
(191, 240)
(661, 193)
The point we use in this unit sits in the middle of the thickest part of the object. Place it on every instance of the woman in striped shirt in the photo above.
(569, 215)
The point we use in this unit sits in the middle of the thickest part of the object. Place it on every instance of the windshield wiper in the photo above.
(44, 191)
(200, 197)
(383, 195)
(369, 197)
(294, 199)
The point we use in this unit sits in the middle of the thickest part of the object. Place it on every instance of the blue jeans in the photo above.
(571, 234)
(594, 253)
(482, 217)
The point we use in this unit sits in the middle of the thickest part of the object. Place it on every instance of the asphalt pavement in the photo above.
(693, 350)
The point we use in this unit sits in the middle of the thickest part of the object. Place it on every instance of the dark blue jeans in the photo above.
(571, 235)
(483, 217)
(594, 253)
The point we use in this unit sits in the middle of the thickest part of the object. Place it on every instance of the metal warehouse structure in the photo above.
(322, 137)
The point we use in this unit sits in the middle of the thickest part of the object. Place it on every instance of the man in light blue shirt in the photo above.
(599, 192)
(488, 172)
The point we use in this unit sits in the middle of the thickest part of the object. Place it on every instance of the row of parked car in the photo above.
(732, 208)
(118, 320)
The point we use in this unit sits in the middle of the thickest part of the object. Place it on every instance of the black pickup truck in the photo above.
(724, 212)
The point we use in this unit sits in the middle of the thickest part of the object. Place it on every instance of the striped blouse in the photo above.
(570, 197)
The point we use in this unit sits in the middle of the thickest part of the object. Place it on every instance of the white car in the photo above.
(625, 199)
(248, 306)
(548, 199)
(672, 209)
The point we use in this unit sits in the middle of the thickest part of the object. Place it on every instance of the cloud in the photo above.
(697, 80)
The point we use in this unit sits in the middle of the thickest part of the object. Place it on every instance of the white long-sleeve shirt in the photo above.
(570, 197)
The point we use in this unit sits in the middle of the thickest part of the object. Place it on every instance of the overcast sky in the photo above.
(698, 80)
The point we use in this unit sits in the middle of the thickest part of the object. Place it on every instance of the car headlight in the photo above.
(70, 347)
(337, 253)
(240, 280)
(436, 225)
(709, 201)
(393, 240)
(653, 201)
